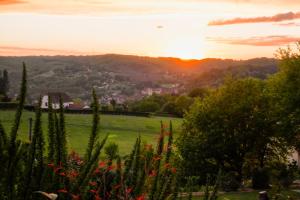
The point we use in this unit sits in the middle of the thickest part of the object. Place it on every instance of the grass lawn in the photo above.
(122, 129)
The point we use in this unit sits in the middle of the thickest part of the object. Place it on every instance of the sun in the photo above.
(185, 49)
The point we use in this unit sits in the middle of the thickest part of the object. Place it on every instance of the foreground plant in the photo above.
(28, 173)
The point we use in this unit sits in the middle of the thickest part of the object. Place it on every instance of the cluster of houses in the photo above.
(66, 100)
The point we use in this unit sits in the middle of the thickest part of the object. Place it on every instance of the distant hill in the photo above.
(122, 74)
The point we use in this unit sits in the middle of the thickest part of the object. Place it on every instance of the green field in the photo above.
(122, 129)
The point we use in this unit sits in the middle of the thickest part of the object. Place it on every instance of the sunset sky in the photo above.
(238, 29)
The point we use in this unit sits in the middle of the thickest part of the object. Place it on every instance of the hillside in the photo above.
(124, 76)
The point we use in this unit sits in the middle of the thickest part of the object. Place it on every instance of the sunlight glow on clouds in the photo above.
(85, 27)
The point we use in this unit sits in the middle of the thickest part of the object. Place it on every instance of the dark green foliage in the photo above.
(22, 96)
(261, 178)
(229, 182)
(170, 143)
(94, 133)
(51, 131)
(89, 167)
(4, 84)
(14, 146)
(111, 151)
(61, 131)
(157, 162)
(35, 164)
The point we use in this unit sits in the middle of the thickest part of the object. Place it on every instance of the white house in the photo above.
(55, 96)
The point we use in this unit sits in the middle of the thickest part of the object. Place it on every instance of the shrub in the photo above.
(261, 178)
(229, 182)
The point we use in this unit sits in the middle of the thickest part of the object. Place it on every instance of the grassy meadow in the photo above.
(122, 130)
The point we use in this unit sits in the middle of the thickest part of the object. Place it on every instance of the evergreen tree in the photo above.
(15, 147)
(51, 131)
(5, 82)
(95, 129)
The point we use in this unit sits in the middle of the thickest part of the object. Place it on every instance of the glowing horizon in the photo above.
(187, 29)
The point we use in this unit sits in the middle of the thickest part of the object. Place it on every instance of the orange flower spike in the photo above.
(152, 173)
(174, 170)
(102, 164)
(142, 197)
(56, 169)
(97, 197)
(93, 191)
(93, 183)
(167, 165)
(97, 171)
(62, 174)
(110, 168)
(62, 191)
(128, 190)
(156, 158)
(75, 197)
(51, 165)
(117, 186)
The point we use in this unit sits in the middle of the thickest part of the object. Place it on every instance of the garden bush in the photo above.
(229, 182)
(261, 178)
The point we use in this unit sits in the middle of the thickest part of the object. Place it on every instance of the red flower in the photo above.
(174, 170)
(97, 197)
(156, 158)
(128, 190)
(51, 165)
(142, 197)
(93, 191)
(117, 186)
(93, 183)
(152, 173)
(62, 174)
(102, 164)
(62, 191)
(167, 165)
(73, 174)
(75, 197)
(109, 168)
(56, 169)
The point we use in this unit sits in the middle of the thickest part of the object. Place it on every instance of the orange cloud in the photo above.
(258, 41)
(8, 2)
(21, 51)
(275, 18)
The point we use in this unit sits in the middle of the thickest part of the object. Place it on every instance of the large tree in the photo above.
(284, 90)
(227, 128)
